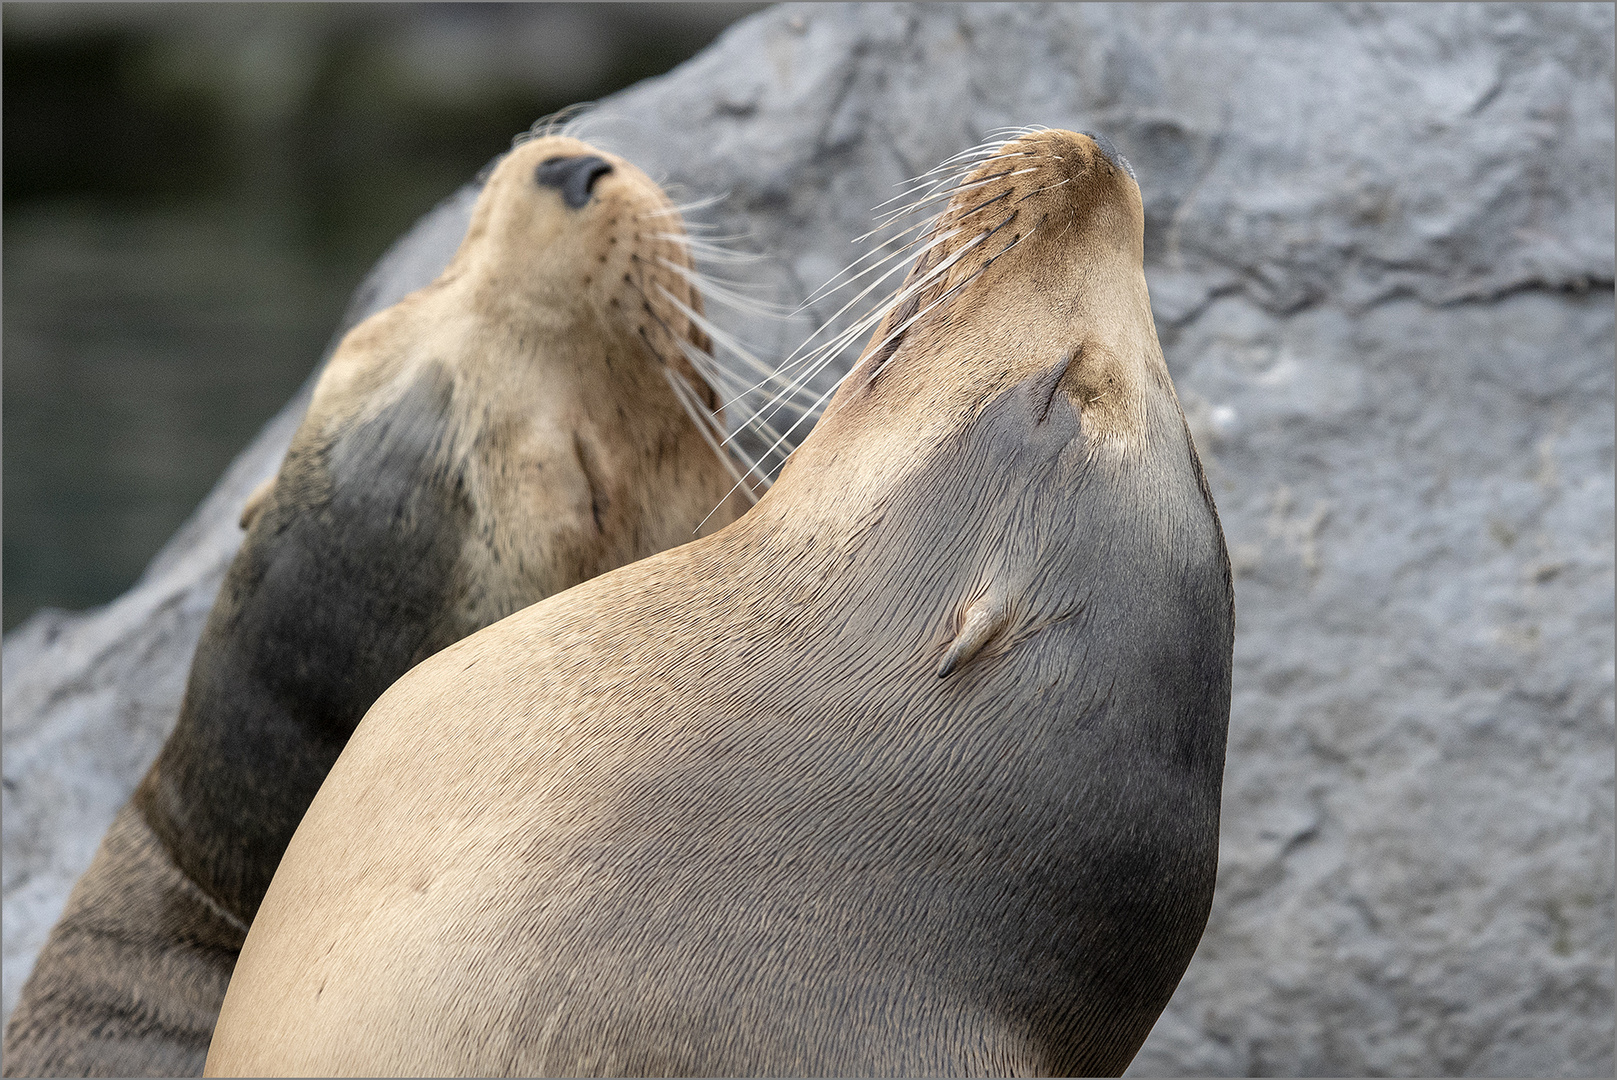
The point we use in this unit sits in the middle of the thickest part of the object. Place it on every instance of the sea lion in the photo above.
(516, 427)
(913, 769)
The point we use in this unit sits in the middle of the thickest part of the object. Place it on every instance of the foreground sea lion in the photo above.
(512, 429)
(914, 769)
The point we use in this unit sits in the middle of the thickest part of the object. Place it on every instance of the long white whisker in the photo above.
(687, 398)
(881, 256)
(794, 360)
(814, 362)
(712, 290)
(933, 275)
(950, 172)
(561, 122)
(719, 336)
(898, 245)
(952, 193)
(711, 249)
(674, 209)
(819, 404)
(957, 165)
(899, 258)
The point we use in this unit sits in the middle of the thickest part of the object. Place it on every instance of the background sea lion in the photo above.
(529, 420)
(914, 769)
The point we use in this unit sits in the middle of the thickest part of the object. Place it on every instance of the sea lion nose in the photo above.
(1110, 152)
(572, 176)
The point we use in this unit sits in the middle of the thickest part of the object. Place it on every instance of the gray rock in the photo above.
(1380, 246)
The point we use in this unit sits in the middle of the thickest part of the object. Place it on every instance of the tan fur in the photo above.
(564, 453)
(717, 813)
(547, 324)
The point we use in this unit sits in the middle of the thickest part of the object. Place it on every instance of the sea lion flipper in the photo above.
(255, 502)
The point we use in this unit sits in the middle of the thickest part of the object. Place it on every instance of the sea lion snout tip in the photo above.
(574, 175)
(1110, 152)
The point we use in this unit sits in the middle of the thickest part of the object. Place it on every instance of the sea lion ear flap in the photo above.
(1046, 387)
(979, 624)
(1100, 388)
(255, 502)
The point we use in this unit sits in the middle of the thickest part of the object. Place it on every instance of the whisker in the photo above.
(951, 171)
(563, 121)
(1019, 240)
(732, 390)
(900, 246)
(711, 289)
(819, 404)
(1047, 187)
(688, 398)
(680, 210)
(835, 345)
(896, 263)
(719, 336)
(950, 194)
(711, 249)
(706, 419)
(931, 276)
(958, 164)
(878, 253)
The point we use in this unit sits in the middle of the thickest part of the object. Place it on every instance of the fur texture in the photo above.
(506, 432)
(914, 769)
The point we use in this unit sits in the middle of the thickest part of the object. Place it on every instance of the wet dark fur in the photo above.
(339, 588)
(339, 591)
(134, 909)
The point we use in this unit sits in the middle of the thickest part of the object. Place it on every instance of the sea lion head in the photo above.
(1035, 263)
(577, 237)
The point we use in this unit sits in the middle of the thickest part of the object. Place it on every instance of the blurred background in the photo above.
(191, 193)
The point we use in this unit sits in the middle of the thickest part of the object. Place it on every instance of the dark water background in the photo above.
(191, 192)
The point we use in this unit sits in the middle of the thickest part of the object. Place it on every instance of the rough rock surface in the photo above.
(1380, 247)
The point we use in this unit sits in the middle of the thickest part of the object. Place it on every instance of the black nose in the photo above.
(572, 176)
